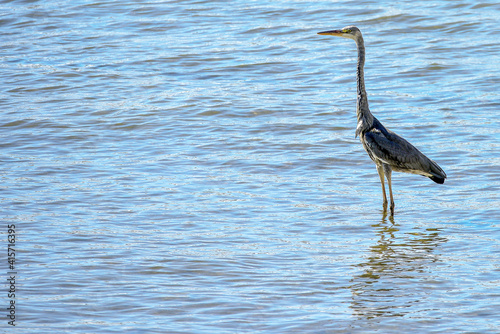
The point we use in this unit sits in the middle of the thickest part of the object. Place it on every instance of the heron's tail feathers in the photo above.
(438, 174)
(437, 179)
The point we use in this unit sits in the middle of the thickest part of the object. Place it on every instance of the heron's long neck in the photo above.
(362, 109)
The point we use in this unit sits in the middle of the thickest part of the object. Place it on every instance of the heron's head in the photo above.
(351, 32)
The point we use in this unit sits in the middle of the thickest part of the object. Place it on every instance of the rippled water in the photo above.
(191, 167)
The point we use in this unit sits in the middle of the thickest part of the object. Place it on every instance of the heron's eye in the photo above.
(347, 31)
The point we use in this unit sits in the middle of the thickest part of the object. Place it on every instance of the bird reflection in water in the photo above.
(394, 276)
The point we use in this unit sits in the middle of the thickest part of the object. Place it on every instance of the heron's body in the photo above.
(389, 151)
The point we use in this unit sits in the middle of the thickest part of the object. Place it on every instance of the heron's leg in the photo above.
(388, 174)
(380, 171)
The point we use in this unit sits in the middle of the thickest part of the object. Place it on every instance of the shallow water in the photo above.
(191, 167)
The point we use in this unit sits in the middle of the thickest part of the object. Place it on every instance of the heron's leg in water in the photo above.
(388, 174)
(380, 171)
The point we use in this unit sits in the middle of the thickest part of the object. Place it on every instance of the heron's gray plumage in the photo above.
(389, 151)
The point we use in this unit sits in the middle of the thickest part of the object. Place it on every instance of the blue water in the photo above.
(191, 167)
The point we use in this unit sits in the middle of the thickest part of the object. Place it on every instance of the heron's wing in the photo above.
(396, 151)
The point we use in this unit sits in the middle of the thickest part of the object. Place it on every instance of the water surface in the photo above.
(191, 167)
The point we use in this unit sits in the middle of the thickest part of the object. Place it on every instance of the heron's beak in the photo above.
(331, 32)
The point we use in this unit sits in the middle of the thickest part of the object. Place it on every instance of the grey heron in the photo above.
(389, 151)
